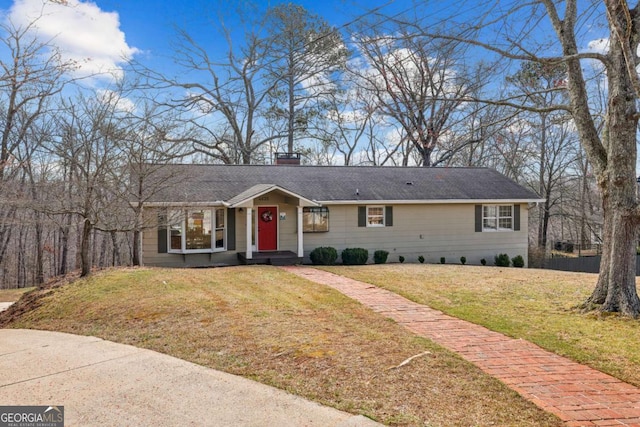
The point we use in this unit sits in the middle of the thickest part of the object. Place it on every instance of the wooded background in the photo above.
(383, 90)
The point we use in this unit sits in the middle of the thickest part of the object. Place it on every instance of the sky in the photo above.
(99, 34)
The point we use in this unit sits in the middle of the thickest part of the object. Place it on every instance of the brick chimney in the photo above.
(287, 159)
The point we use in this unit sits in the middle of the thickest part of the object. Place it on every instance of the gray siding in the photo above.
(432, 231)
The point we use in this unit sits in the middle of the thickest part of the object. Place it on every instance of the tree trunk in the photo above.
(292, 106)
(39, 250)
(544, 226)
(612, 155)
(585, 238)
(621, 294)
(543, 223)
(137, 233)
(136, 248)
(618, 186)
(6, 219)
(85, 248)
(102, 259)
(64, 246)
(599, 294)
(115, 254)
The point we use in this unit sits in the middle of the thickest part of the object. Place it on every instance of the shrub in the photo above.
(401, 259)
(324, 255)
(355, 256)
(502, 260)
(380, 257)
(442, 260)
(518, 261)
(483, 261)
(421, 259)
(463, 260)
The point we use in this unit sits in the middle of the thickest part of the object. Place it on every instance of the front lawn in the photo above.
(276, 328)
(536, 305)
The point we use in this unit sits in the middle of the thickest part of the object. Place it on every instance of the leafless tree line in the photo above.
(77, 164)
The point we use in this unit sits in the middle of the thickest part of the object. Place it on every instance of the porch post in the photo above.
(300, 235)
(249, 253)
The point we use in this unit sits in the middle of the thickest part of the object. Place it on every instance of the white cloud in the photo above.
(82, 31)
(599, 45)
(112, 98)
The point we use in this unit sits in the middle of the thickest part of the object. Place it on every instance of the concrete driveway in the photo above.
(101, 383)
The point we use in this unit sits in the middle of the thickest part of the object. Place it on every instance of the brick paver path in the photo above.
(579, 395)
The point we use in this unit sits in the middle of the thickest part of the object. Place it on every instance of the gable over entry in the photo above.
(262, 217)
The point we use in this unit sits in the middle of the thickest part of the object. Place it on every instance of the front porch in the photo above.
(272, 219)
(271, 258)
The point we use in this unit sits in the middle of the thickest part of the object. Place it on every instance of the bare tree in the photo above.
(348, 122)
(612, 153)
(223, 100)
(31, 73)
(148, 148)
(90, 145)
(552, 133)
(422, 85)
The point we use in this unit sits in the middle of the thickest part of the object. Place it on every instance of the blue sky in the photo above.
(99, 33)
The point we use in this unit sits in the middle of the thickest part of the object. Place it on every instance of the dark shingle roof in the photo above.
(210, 183)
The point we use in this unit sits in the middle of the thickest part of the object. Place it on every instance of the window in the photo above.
(191, 230)
(219, 229)
(375, 216)
(497, 218)
(198, 230)
(315, 220)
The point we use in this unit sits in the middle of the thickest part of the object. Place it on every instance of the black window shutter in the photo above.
(362, 216)
(388, 216)
(478, 218)
(162, 231)
(231, 229)
(516, 217)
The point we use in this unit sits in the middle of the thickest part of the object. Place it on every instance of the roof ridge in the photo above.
(325, 166)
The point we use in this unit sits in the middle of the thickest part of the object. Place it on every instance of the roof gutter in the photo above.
(185, 204)
(427, 202)
(352, 202)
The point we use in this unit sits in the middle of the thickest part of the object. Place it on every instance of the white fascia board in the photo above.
(428, 202)
(184, 204)
(248, 202)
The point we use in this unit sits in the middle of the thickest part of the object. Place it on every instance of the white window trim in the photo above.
(384, 219)
(497, 218)
(183, 234)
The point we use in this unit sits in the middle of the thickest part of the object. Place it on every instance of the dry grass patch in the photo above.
(536, 305)
(11, 295)
(265, 324)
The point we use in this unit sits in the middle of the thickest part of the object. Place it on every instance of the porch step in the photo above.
(272, 258)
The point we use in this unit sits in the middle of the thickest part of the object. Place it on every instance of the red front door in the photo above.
(267, 228)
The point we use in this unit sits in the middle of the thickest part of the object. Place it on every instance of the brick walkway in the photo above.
(579, 395)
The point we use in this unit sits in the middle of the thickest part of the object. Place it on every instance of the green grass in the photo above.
(274, 327)
(535, 305)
